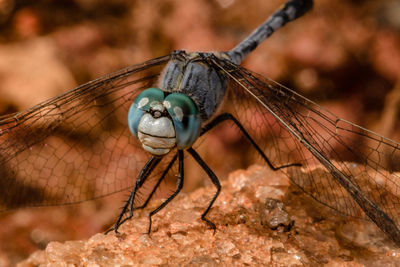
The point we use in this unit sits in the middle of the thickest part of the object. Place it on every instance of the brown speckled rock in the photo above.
(179, 237)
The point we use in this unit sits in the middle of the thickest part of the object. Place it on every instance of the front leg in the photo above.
(171, 163)
(144, 173)
(178, 189)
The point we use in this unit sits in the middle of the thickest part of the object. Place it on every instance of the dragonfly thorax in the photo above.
(162, 121)
(194, 75)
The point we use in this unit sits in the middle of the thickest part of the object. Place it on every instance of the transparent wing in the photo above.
(76, 146)
(292, 129)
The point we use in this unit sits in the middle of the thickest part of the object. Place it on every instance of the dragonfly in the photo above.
(143, 120)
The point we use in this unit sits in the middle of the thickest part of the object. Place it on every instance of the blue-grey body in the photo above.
(187, 73)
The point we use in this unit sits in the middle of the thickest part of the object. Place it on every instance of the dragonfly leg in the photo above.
(144, 173)
(227, 116)
(178, 188)
(171, 163)
(215, 181)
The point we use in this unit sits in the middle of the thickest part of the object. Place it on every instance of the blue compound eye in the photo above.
(143, 102)
(186, 119)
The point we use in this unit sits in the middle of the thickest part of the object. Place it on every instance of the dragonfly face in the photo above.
(162, 122)
(191, 91)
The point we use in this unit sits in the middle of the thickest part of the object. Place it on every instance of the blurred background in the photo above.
(344, 55)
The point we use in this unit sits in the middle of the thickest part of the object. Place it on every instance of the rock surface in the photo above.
(250, 202)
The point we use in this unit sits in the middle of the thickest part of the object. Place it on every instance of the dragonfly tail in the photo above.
(292, 10)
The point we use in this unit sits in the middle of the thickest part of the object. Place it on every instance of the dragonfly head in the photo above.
(162, 121)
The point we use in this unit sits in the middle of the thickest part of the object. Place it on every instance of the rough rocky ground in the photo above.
(253, 228)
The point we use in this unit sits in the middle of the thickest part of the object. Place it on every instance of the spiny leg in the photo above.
(215, 181)
(227, 116)
(171, 163)
(171, 197)
(144, 173)
(138, 185)
(132, 209)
